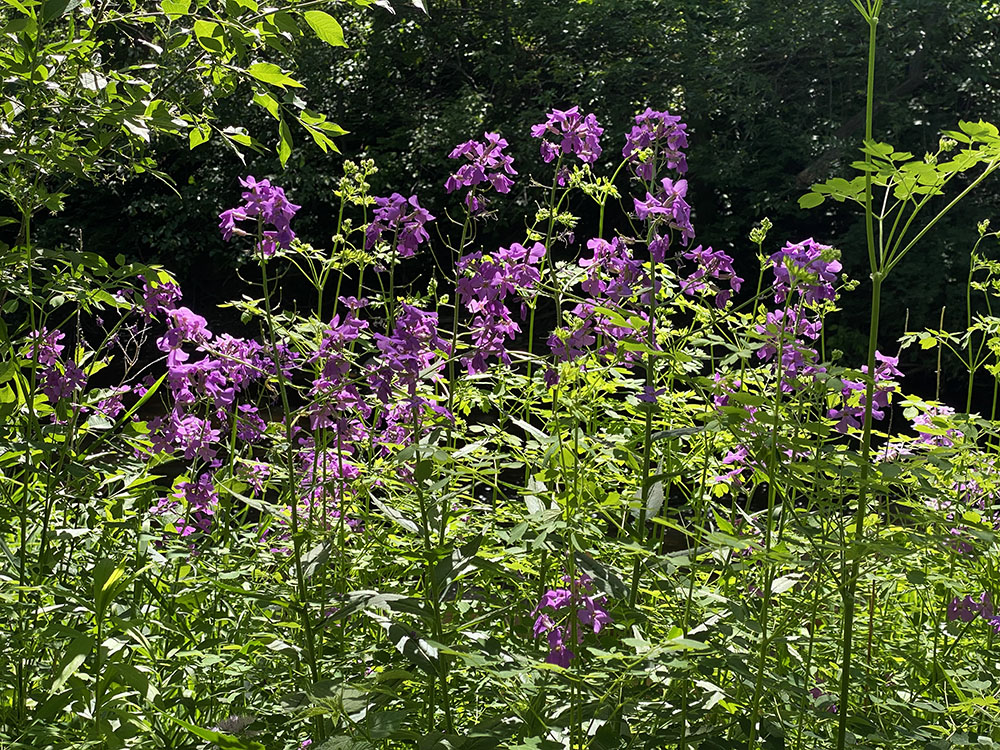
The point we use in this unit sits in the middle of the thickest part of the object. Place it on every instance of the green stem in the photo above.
(290, 488)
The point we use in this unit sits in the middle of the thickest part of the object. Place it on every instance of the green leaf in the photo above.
(268, 102)
(224, 741)
(52, 9)
(174, 9)
(272, 74)
(811, 200)
(285, 145)
(72, 660)
(199, 135)
(210, 36)
(18, 5)
(346, 743)
(326, 27)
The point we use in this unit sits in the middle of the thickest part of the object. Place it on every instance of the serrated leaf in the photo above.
(272, 74)
(326, 27)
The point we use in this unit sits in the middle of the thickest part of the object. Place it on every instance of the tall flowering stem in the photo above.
(268, 204)
(850, 583)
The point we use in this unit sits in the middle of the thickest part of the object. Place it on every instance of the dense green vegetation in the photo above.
(562, 394)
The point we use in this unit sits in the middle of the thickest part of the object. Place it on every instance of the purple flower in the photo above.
(543, 624)
(712, 266)
(568, 344)
(612, 272)
(926, 420)
(787, 331)
(408, 353)
(58, 380)
(486, 163)
(853, 395)
(486, 284)
(559, 652)
(575, 134)
(185, 326)
(656, 137)
(668, 207)
(808, 267)
(267, 204)
(404, 218)
(160, 298)
(194, 436)
(195, 502)
(111, 405)
(968, 609)
(590, 612)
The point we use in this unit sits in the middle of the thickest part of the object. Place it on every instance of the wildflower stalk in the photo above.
(452, 377)
(301, 588)
(647, 441)
(769, 567)
(430, 583)
(850, 582)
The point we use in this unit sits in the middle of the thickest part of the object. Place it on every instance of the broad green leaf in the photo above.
(52, 9)
(174, 9)
(811, 200)
(272, 74)
(326, 27)
(72, 660)
(268, 102)
(199, 135)
(285, 144)
(210, 36)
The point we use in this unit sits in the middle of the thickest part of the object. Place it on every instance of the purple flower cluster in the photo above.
(59, 379)
(808, 267)
(614, 280)
(336, 401)
(612, 272)
(486, 163)
(192, 506)
(668, 208)
(215, 380)
(267, 204)
(657, 139)
(853, 394)
(162, 297)
(933, 434)
(575, 134)
(712, 266)
(590, 612)
(968, 609)
(486, 284)
(789, 332)
(411, 351)
(404, 219)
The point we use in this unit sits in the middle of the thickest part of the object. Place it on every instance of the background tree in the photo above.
(773, 94)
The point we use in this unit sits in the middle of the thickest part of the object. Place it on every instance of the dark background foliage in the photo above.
(773, 94)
